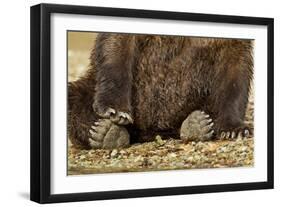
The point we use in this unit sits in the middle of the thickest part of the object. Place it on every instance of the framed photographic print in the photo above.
(132, 103)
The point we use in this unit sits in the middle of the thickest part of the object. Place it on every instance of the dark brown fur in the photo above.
(159, 81)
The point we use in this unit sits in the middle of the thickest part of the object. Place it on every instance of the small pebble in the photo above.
(114, 153)
(159, 140)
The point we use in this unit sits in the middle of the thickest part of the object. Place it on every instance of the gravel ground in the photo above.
(161, 154)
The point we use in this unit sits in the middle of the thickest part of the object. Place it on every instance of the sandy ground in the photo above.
(159, 154)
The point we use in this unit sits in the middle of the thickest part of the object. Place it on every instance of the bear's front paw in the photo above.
(239, 132)
(197, 127)
(107, 135)
(116, 116)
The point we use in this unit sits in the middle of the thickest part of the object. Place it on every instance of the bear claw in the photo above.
(118, 117)
(240, 133)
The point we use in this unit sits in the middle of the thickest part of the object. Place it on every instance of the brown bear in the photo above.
(139, 86)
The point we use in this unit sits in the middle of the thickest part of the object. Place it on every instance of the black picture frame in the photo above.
(41, 96)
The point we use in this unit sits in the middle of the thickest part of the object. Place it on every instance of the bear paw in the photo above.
(197, 127)
(107, 135)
